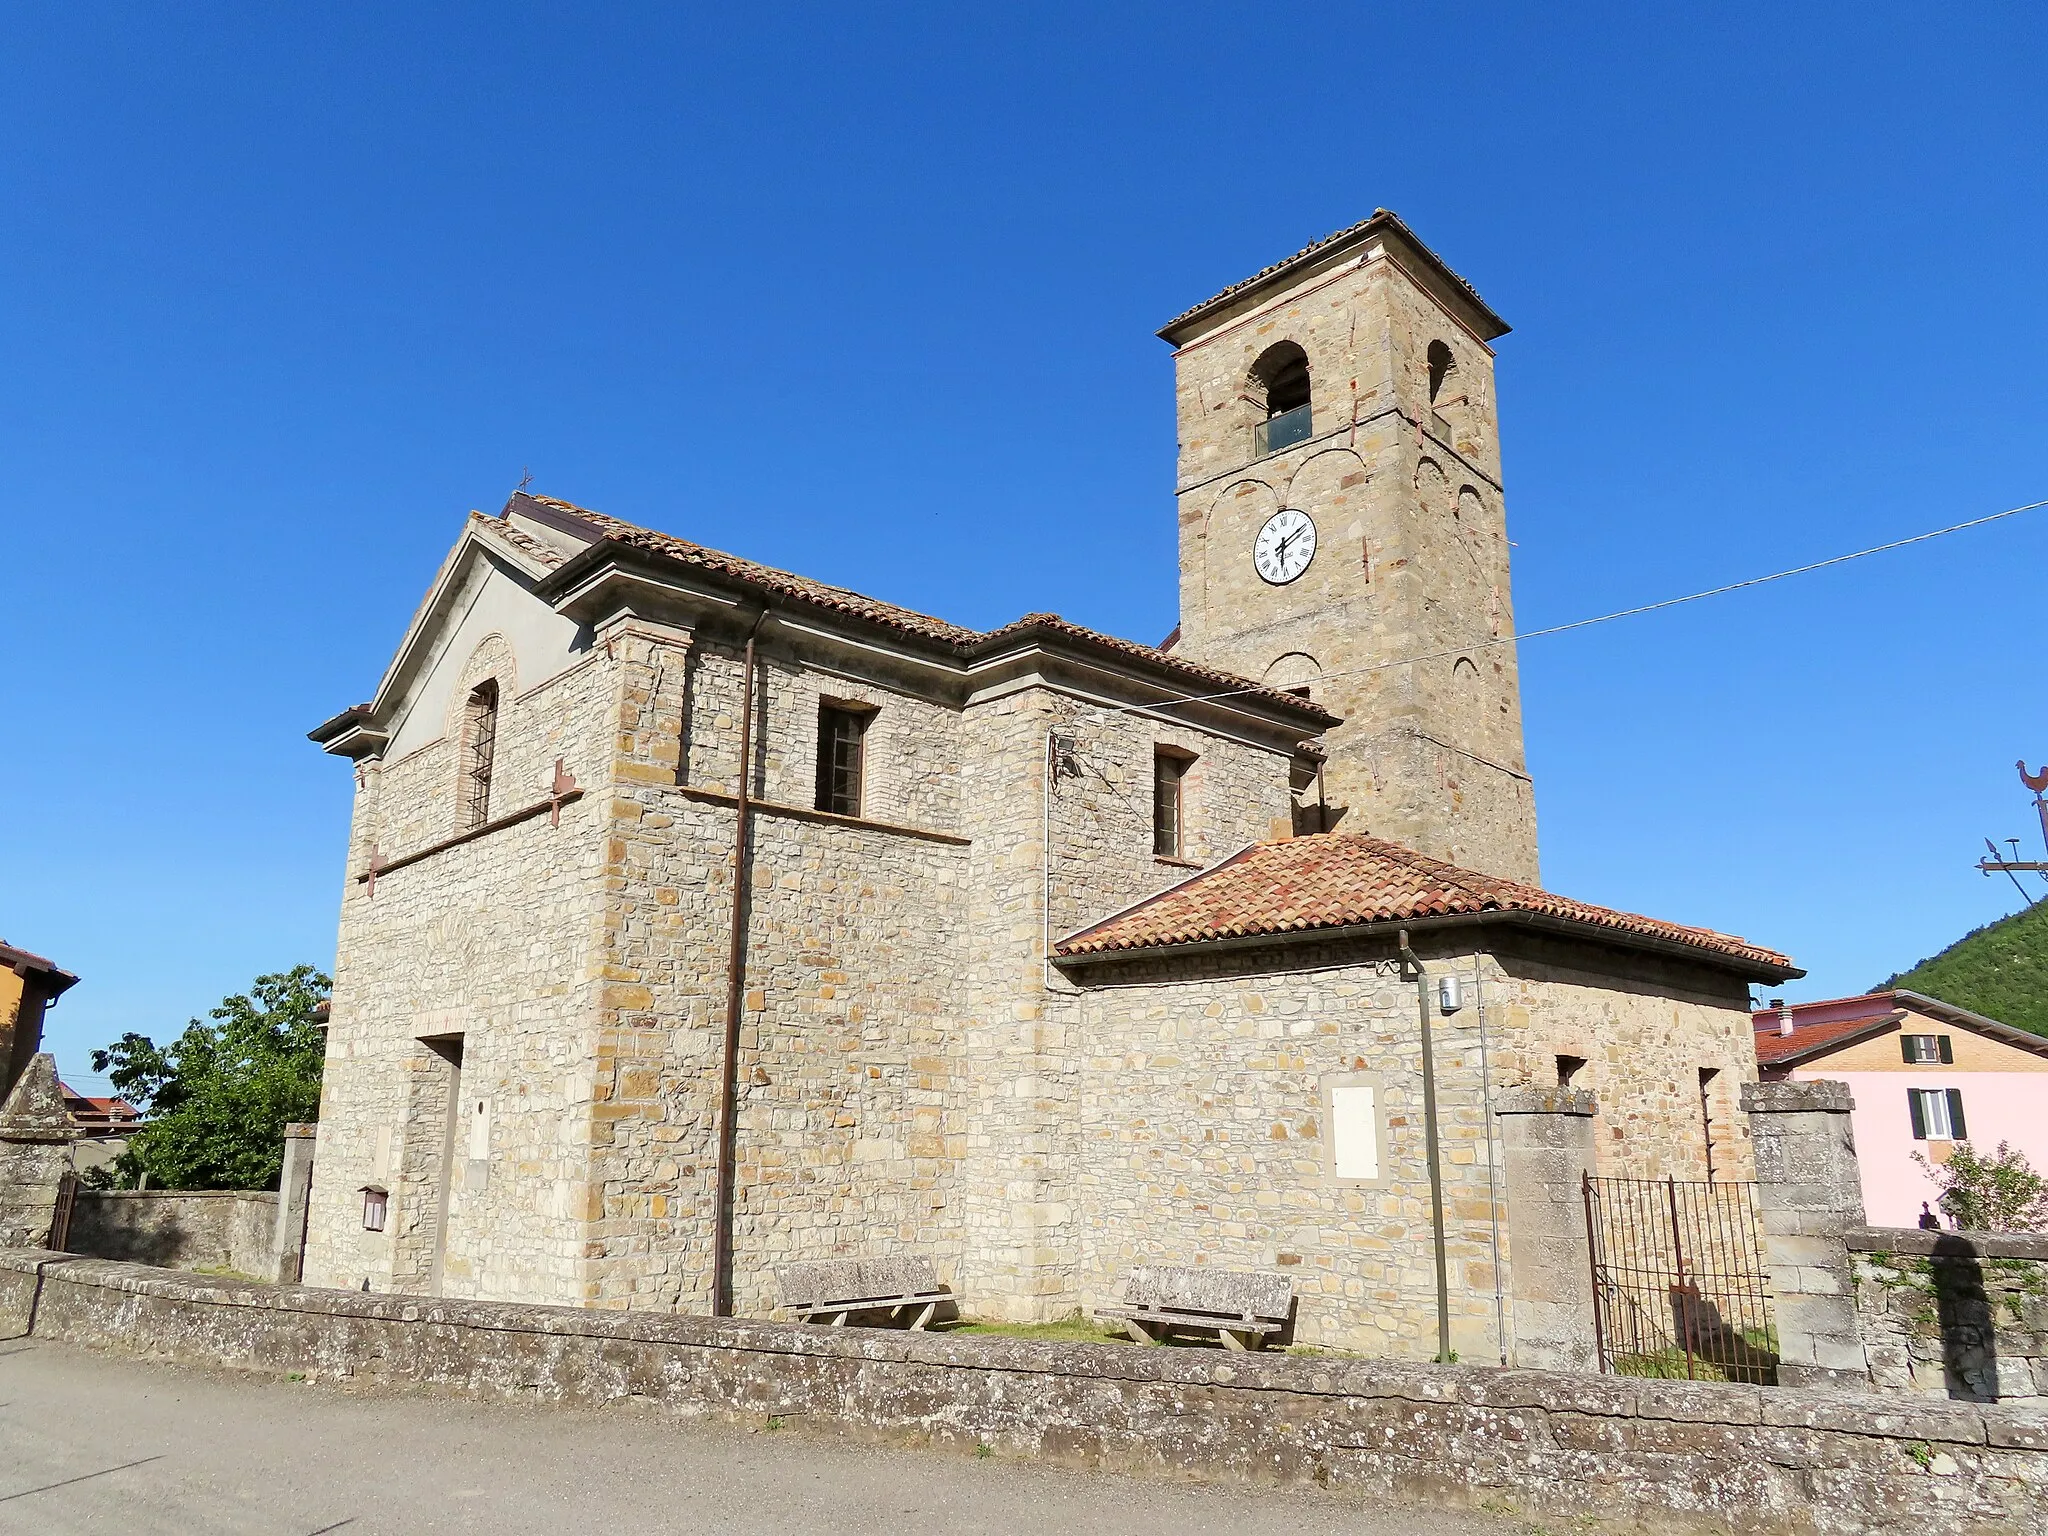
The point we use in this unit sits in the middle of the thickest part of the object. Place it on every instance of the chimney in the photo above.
(1784, 1016)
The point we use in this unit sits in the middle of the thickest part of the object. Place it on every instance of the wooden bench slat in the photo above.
(1235, 1305)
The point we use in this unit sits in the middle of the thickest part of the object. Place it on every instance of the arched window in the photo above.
(1443, 369)
(1279, 386)
(479, 746)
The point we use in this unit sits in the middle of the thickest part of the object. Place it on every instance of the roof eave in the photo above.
(1595, 933)
(1963, 1018)
(1457, 292)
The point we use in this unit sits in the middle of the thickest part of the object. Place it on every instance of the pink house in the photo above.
(1925, 1075)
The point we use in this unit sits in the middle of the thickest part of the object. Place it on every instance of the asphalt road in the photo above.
(103, 1444)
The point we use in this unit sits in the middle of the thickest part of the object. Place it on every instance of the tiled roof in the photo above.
(967, 643)
(781, 583)
(1818, 1027)
(1386, 218)
(1340, 880)
(520, 539)
(1774, 1049)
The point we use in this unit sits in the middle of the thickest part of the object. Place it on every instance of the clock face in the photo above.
(1284, 547)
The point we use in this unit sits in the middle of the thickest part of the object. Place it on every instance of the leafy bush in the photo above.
(2000, 1193)
(220, 1095)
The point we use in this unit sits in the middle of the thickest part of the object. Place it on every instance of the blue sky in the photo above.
(870, 293)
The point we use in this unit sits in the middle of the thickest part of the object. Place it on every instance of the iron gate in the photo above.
(1678, 1280)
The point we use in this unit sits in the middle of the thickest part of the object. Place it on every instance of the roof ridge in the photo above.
(1332, 880)
(846, 600)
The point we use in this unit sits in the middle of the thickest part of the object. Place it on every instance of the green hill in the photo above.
(2000, 971)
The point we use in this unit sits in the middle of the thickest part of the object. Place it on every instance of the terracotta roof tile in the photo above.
(1773, 1048)
(1338, 880)
(526, 542)
(782, 583)
(1384, 217)
(962, 641)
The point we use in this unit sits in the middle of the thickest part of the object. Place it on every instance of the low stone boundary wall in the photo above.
(178, 1229)
(1953, 1314)
(1638, 1455)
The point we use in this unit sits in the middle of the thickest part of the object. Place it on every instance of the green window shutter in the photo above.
(1956, 1128)
(1913, 1109)
(1905, 1048)
(1947, 1050)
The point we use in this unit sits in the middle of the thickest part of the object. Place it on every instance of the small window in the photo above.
(1926, 1050)
(376, 1205)
(840, 734)
(480, 747)
(1707, 1076)
(1568, 1068)
(1169, 769)
(1937, 1114)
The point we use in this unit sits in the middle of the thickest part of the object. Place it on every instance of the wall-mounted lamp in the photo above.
(376, 1203)
(1448, 996)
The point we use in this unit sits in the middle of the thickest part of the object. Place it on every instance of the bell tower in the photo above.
(1342, 531)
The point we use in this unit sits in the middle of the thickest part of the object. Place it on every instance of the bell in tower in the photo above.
(1342, 532)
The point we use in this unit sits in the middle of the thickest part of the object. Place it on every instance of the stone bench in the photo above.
(835, 1291)
(1241, 1308)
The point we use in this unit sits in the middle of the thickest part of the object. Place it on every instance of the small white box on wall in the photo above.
(1356, 1135)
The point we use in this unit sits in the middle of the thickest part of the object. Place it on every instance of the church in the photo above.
(701, 917)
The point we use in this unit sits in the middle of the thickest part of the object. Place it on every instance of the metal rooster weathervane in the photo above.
(2038, 783)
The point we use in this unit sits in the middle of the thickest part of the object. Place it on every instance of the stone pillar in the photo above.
(1811, 1194)
(294, 1196)
(1546, 1150)
(35, 1154)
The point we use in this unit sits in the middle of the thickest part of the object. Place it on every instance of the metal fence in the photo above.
(1678, 1280)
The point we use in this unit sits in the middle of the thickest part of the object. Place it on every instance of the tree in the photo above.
(220, 1095)
(2000, 1193)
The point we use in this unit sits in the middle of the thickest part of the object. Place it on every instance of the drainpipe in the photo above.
(1436, 1172)
(735, 997)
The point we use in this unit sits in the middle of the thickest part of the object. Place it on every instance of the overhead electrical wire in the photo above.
(1492, 641)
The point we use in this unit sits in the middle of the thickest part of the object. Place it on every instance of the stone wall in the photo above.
(1411, 559)
(35, 1154)
(1202, 1134)
(490, 942)
(1953, 1314)
(1633, 1455)
(178, 1229)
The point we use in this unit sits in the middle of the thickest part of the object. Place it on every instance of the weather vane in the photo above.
(2038, 783)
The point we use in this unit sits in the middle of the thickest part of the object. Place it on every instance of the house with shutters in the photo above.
(1925, 1075)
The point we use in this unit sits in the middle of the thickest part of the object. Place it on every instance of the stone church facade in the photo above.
(701, 917)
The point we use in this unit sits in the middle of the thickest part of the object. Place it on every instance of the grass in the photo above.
(222, 1272)
(1065, 1330)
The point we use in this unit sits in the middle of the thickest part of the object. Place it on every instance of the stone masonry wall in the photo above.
(1563, 1449)
(1204, 1141)
(1085, 844)
(1645, 1027)
(229, 1229)
(490, 940)
(1953, 1314)
(1202, 1132)
(1411, 559)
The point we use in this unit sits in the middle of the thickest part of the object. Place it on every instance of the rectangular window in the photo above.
(1354, 1129)
(1937, 1114)
(840, 732)
(1926, 1050)
(1169, 769)
(480, 746)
